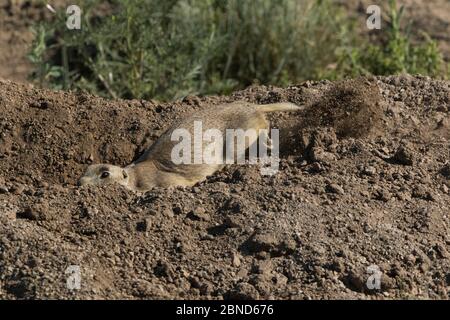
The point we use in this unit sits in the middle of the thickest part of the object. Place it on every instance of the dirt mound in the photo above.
(352, 108)
(348, 203)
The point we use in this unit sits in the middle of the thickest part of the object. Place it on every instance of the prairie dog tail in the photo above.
(279, 107)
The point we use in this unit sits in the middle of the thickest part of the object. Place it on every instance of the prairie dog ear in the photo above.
(125, 174)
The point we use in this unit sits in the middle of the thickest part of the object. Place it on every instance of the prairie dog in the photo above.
(155, 167)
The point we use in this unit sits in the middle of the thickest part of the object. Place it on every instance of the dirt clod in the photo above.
(404, 155)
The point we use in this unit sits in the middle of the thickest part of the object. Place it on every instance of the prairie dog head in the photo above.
(102, 174)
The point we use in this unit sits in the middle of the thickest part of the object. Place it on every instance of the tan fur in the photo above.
(155, 167)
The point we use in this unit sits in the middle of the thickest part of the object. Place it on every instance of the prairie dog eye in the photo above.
(104, 175)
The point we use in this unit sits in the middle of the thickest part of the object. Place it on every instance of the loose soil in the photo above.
(363, 185)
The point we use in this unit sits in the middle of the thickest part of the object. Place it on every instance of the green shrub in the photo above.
(136, 51)
(169, 49)
(396, 54)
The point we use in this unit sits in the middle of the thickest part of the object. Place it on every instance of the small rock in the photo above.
(234, 205)
(9, 212)
(33, 262)
(383, 195)
(355, 281)
(243, 291)
(168, 213)
(424, 267)
(236, 261)
(320, 155)
(288, 245)
(337, 265)
(404, 155)
(403, 196)
(316, 167)
(195, 282)
(441, 251)
(192, 100)
(3, 190)
(410, 259)
(370, 171)
(335, 188)
(443, 122)
(232, 222)
(206, 236)
(17, 189)
(199, 213)
(164, 269)
(387, 283)
(43, 184)
(394, 110)
(263, 267)
(265, 244)
(263, 284)
(196, 190)
(206, 288)
(421, 192)
(365, 193)
(262, 242)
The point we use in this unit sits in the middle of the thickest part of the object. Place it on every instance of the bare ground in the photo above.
(364, 181)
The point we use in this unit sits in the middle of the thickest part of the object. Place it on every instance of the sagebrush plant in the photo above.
(169, 49)
(396, 54)
(173, 48)
(138, 51)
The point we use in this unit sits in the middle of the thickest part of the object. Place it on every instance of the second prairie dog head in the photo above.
(102, 174)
